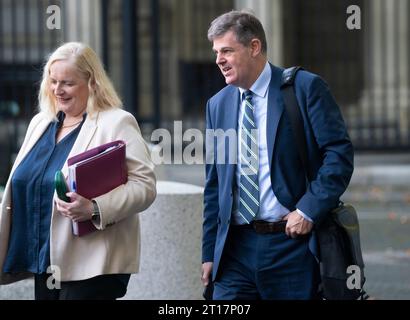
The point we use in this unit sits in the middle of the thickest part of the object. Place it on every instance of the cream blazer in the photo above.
(115, 247)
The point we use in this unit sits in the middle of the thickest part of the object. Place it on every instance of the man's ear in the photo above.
(256, 47)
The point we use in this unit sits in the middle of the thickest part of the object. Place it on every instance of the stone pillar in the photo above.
(171, 231)
(388, 20)
(386, 97)
(269, 12)
(82, 22)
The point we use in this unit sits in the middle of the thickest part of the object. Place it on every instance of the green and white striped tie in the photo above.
(249, 162)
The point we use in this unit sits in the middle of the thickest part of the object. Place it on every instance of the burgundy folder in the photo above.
(96, 172)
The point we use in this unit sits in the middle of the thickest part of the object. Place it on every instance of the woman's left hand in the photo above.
(79, 209)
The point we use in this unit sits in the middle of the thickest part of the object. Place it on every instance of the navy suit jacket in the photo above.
(330, 156)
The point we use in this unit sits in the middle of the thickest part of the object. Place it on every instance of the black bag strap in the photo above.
(295, 116)
(296, 121)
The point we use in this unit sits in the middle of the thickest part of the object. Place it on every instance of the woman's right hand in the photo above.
(79, 209)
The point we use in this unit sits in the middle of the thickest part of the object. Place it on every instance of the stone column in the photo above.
(385, 99)
(270, 14)
(82, 21)
(171, 231)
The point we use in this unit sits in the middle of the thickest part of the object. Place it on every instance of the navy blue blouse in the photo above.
(32, 199)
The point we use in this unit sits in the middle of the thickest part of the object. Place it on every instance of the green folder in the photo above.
(61, 186)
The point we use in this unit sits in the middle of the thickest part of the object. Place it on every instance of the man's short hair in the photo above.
(245, 26)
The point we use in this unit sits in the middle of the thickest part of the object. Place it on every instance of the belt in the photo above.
(264, 227)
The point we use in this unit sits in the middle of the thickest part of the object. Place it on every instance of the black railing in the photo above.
(364, 68)
(24, 42)
(361, 66)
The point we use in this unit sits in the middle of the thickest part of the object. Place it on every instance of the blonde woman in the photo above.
(79, 110)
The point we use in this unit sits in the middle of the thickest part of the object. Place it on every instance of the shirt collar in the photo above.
(260, 86)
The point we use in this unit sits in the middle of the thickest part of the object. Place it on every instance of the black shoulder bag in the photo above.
(338, 235)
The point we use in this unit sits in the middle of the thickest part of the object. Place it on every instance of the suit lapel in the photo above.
(83, 140)
(230, 109)
(35, 136)
(275, 110)
(37, 133)
(230, 113)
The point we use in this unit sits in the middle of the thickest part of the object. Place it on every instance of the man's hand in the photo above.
(297, 225)
(206, 272)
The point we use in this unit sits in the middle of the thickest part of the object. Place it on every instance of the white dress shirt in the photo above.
(270, 208)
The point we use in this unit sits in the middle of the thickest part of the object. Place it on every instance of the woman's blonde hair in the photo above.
(102, 95)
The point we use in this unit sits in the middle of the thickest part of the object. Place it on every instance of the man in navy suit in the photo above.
(259, 217)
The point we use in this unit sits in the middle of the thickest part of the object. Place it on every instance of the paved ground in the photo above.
(385, 224)
(380, 193)
(385, 235)
(386, 248)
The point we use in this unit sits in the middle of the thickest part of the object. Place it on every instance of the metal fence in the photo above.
(367, 68)
(24, 42)
(158, 55)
